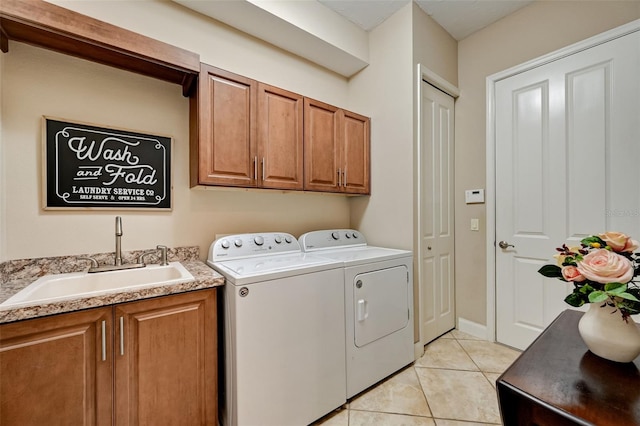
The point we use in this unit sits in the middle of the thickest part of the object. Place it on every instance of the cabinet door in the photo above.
(224, 152)
(280, 134)
(321, 147)
(56, 371)
(165, 360)
(355, 153)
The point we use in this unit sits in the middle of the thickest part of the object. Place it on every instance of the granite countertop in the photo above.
(15, 275)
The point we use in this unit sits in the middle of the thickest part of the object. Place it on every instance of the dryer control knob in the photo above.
(238, 242)
(225, 244)
(287, 239)
(348, 235)
(335, 235)
(278, 239)
(258, 240)
(355, 235)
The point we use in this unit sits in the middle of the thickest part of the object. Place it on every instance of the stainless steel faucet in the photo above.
(117, 264)
(118, 253)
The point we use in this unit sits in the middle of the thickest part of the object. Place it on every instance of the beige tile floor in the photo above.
(453, 384)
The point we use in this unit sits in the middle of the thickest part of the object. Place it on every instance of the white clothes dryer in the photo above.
(284, 337)
(378, 291)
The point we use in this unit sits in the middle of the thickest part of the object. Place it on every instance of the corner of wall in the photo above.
(3, 189)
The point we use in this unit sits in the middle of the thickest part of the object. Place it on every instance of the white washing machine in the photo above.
(284, 337)
(378, 292)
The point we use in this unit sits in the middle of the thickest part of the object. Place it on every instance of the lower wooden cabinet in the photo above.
(151, 362)
(52, 370)
(165, 361)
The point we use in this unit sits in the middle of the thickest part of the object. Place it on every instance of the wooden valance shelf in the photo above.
(53, 27)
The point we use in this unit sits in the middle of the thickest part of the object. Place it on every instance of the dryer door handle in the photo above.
(362, 313)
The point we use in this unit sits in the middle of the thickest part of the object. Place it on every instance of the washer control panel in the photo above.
(331, 238)
(246, 245)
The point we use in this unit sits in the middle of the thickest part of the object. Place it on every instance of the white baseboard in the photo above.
(473, 328)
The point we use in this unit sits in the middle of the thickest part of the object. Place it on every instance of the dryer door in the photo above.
(381, 303)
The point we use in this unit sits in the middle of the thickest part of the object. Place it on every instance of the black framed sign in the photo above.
(87, 166)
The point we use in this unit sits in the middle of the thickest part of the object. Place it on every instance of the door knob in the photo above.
(505, 245)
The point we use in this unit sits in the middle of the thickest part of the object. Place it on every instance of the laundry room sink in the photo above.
(58, 287)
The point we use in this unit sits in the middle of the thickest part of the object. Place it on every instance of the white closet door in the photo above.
(437, 278)
(567, 165)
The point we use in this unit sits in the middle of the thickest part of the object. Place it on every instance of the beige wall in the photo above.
(35, 82)
(540, 28)
(38, 82)
(387, 89)
(433, 47)
(3, 173)
(384, 88)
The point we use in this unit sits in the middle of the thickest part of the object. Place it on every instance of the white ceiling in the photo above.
(460, 18)
(310, 29)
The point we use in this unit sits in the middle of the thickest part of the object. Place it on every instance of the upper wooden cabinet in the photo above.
(245, 133)
(53, 27)
(248, 134)
(223, 131)
(280, 132)
(336, 144)
(356, 157)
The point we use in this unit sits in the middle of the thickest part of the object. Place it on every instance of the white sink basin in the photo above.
(58, 287)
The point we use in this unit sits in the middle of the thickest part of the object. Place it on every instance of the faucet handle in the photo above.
(146, 253)
(94, 263)
(163, 255)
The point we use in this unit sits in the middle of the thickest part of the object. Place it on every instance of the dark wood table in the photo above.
(556, 381)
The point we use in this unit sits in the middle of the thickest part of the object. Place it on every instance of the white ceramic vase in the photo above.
(607, 335)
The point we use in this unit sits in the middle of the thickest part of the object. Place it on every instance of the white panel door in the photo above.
(567, 165)
(436, 269)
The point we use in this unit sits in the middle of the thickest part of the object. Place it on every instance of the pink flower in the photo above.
(571, 273)
(619, 242)
(604, 266)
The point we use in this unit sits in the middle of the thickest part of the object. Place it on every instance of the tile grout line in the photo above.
(414, 367)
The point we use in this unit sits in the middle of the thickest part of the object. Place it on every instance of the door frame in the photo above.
(423, 74)
(491, 81)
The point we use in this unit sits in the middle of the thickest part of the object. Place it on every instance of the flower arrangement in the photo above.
(602, 270)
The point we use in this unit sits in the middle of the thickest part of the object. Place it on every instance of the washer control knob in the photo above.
(278, 239)
(238, 242)
(287, 239)
(258, 240)
(225, 244)
(355, 235)
(335, 235)
(348, 235)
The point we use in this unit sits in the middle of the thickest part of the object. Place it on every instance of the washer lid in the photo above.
(362, 255)
(263, 268)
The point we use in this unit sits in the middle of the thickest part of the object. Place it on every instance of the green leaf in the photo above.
(586, 289)
(598, 296)
(575, 300)
(593, 239)
(628, 296)
(551, 271)
(631, 307)
(615, 288)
